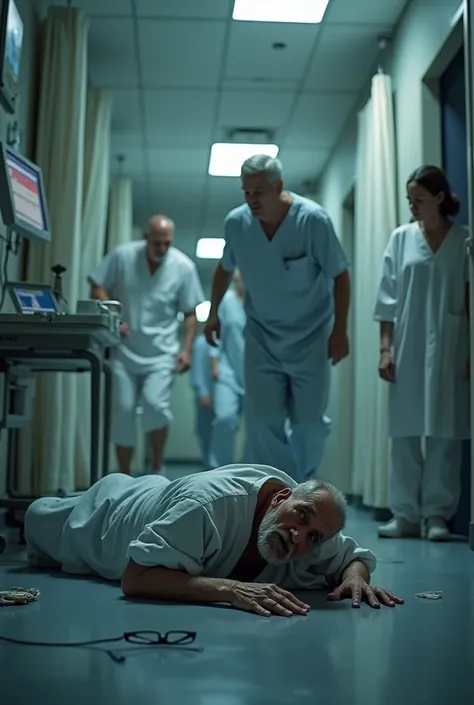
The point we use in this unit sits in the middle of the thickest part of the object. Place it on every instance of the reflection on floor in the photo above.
(419, 654)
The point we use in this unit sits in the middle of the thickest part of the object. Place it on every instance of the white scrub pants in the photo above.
(203, 430)
(228, 406)
(151, 390)
(277, 391)
(423, 487)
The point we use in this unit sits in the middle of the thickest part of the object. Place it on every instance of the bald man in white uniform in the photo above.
(155, 282)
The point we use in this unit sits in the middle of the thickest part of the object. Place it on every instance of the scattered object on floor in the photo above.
(18, 596)
(436, 595)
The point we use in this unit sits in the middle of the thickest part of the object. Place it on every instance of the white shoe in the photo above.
(399, 528)
(437, 529)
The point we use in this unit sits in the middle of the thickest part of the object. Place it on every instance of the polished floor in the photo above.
(418, 654)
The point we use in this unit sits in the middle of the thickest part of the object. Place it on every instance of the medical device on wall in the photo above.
(22, 198)
(11, 47)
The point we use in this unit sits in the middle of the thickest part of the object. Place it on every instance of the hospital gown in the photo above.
(423, 294)
(143, 365)
(202, 384)
(290, 311)
(229, 388)
(200, 524)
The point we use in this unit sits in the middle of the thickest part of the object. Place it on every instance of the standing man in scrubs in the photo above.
(297, 303)
(200, 379)
(228, 374)
(154, 281)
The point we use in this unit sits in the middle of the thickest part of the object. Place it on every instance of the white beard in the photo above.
(270, 531)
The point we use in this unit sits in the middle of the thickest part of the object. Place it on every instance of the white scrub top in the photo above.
(423, 294)
(200, 377)
(288, 279)
(151, 302)
(231, 343)
(199, 523)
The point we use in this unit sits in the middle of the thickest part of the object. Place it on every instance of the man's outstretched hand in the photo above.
(356, 588)
(265, 600)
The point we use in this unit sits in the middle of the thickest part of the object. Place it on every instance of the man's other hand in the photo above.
(356, 588)
(338, 346)
(124, 330)
(212, 330)
(266, 600)
(183, 362)
(205, 402)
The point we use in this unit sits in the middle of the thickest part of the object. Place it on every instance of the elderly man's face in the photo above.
(293, 527)
(261, 196)
(159, 239)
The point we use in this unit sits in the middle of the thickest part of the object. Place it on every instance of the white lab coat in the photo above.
(200, 524)
(423, 294)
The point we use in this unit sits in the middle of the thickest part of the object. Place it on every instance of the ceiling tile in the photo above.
(250, 52)
(133, 166)
(112, 59)
(179, 118)
(116, 8)
(318, 120)
(126, 111)
(256, 84)
(252, 109)
(180, 53)
(204, 9)
(222, 195)
(301, 165)
(189, 164)
(333, 63)
(366, 12)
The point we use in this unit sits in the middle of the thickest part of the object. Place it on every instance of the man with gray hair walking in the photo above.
(297, 302)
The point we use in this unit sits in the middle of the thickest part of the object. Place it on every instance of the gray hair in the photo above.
(263, 164)
(306, 491)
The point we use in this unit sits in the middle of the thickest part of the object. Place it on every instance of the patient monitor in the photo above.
(22, 198)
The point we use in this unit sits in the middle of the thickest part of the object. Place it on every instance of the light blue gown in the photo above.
(229, 388)
(201, 382)
(290, 311)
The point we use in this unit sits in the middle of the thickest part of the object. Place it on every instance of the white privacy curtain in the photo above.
(94, 225)
(375, 218)
(120, 222)
(47, 448)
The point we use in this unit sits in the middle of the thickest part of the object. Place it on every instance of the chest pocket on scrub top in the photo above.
(297, 273)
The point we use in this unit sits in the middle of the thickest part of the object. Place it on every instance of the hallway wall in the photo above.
(422, 31)
(26, 118)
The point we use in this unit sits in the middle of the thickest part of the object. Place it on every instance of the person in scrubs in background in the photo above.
(422, 307)
(200, 379)
(297, 302)
(154, 281)
(228, 373)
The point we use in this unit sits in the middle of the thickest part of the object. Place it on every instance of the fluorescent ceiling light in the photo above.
(289, 11)
(227, 157)
(202, 311)
(210, 247)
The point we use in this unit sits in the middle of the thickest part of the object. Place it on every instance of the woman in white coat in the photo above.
(422, 307)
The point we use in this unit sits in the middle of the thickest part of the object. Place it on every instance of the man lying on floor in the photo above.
(238, 534)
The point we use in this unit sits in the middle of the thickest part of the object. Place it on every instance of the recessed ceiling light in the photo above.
(294, 11)
(210, 247)
(227, 157)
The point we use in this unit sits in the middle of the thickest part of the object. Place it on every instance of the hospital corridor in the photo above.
(236, 352)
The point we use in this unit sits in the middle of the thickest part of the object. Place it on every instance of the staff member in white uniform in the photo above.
(228, 374)
(297, 302)
(202, 384)
(424, 334)
(154, 281)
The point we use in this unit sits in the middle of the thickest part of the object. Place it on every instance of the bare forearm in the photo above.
(342, 300)
(386, 336)
(164, 584)
(220, 284)
(190, 326)
(214, 367)
(98, 292)
(356, 568)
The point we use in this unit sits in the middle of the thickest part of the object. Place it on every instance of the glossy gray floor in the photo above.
(420, 653)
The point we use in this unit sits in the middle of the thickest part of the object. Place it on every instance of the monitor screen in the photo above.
(34, 299)
(26, 190)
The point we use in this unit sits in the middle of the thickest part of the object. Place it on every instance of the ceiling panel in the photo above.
(256, 84)
(250, 52)
(254, 109)
(223, 194)
(333, 63)
(191, 164)
(112, 58)
(366, 12)
(179, 118)
(301, 164)
(102, 7)
(206, 9)
(126, 111)
(318, 120)
(180, 53)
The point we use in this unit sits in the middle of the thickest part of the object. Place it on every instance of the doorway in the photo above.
(454, 161)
